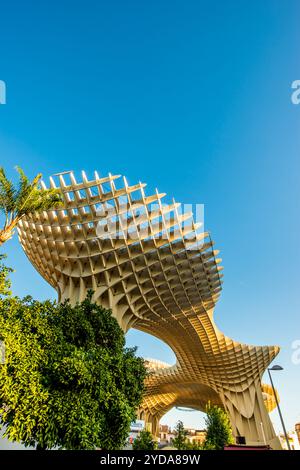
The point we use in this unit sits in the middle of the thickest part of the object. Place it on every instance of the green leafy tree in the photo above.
(4, 279)
(180, 439)
(144, 441)
(218, 432)
(26, 197)
(68, 381)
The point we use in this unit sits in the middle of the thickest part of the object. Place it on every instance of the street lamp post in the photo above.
(277, 403)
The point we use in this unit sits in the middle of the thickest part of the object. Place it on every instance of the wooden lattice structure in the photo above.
(158, 272)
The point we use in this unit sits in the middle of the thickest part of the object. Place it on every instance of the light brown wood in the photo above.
(165, 281)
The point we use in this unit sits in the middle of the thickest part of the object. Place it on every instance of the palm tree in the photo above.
(16, 202)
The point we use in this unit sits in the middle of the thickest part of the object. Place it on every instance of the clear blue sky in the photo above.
(189, 96)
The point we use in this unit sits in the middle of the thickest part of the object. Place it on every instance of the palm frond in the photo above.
(23, 180)
(26, 192)
(26, 198)
(7, 193)
(41, 200)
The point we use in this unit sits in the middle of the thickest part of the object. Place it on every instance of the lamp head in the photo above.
(276, 367)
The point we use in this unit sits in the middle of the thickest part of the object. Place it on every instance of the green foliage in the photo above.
(144, 441)
(68, 380)
(180, 440)
(208, 446)
(28, 196)
(219, 432)
(192, 446)
(4, 280)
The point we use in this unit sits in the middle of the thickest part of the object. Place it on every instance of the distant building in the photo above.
(164, 429)
(166, 435)
(196, 436)
(137, 425)
(297, 429)
(293, 440)
(135, 428)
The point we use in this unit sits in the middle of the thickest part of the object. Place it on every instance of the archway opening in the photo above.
(150, 347)
(191, 418)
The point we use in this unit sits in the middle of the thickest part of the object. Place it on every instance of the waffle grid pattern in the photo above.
(158, 271)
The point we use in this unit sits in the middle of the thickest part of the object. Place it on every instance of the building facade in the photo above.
(297, 429)
(293, 441)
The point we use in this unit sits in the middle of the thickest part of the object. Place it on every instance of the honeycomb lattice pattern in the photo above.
(150, 263)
